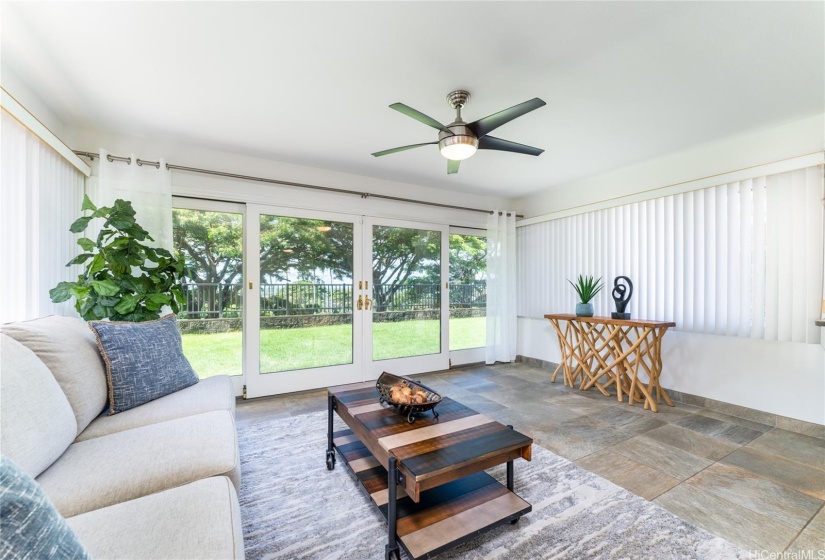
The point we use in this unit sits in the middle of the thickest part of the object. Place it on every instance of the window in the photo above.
(741, 259)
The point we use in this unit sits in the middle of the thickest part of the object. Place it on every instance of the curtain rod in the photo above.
(365, 195)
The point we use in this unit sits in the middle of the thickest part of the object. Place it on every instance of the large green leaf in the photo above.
(119, 243)
(130, 284)
(80, 224)
(86, 244)
(121, 260)
(61, 292)
(80, 292)
(121, 222)
(109, 301)
(105, 287)
(87, 203)
(127, 304)
(161, 299)
(80, 259)
(97, 264)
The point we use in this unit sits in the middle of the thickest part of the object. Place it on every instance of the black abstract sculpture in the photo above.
(621, 295)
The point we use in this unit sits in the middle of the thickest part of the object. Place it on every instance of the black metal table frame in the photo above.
(394, 475)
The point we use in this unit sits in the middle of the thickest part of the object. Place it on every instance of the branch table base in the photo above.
(606, 352)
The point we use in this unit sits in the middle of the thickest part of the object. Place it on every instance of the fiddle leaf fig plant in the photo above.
(587, 287)
(123, 278)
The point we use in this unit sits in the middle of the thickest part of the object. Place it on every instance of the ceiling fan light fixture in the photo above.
(458, 147)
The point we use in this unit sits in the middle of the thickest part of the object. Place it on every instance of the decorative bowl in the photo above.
(388, 381)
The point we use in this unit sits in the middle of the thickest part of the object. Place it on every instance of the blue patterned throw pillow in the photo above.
(144, 361)
(31, 526)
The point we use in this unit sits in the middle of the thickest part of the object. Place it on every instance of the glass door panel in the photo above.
(304, 330)
(468, 291)
(407, 333)
(209, 236)
(306, 318)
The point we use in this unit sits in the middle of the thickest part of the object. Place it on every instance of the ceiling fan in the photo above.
(460, 140)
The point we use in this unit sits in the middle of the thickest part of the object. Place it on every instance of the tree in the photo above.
(468, 259)
(211, 244)
(306, 247)
(400, 256)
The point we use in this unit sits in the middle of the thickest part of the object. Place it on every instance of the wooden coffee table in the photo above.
(427, 478)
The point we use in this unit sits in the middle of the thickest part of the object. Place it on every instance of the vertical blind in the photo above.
(40, 196)
(742, 259)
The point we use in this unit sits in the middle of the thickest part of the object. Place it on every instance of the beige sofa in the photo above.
(156, 481)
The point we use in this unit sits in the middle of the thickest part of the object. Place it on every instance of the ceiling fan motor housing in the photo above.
(461, 134)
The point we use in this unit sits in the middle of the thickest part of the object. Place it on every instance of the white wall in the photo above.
(28, 99)
(730, 154)
(193, 184)
(783, 378)
(777, 377)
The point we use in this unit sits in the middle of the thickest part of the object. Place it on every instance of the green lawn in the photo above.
(288, 349)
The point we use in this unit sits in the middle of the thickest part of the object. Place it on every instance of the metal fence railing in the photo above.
(216, 300)
(305, 299)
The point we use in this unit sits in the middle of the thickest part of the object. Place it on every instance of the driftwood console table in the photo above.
(600, 352)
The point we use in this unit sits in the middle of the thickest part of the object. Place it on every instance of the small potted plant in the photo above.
(586, 287)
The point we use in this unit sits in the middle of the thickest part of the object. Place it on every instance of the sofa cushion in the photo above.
(213, 393)
(32, 528)
(112, 469)
(36, 422)
(144, 361)
(200, 520)
(69, 350)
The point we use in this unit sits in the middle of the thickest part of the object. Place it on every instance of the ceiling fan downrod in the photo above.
(457, 99)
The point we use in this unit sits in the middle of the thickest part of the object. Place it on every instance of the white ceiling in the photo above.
(310, 82)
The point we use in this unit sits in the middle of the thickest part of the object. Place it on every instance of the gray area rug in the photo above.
(294, 508)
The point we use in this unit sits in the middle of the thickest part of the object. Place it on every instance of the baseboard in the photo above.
(768, 418)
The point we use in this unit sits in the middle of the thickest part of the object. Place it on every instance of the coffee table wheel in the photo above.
(391, 553)
(330, 460)
(514, 521)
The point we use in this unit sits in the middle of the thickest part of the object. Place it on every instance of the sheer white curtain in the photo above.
(501, 287)
(40, 196)
(741, 259)
(148, 188)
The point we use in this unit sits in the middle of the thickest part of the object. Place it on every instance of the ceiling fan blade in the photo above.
(493, 143)
(419, 116)
(485, 126)
(401, 149)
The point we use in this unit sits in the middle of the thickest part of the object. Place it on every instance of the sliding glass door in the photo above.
(286, 300)
(209, 236)
(304, 328)
(406, 308)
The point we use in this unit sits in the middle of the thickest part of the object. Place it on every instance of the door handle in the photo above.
(367, 302)
(360, 304)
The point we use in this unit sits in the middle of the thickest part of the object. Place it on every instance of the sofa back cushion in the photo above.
(69, 349)
(36, 422)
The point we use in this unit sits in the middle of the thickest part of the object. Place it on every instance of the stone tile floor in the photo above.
(760, 487)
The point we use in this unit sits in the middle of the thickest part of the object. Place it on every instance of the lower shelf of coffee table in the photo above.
(445, 516)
